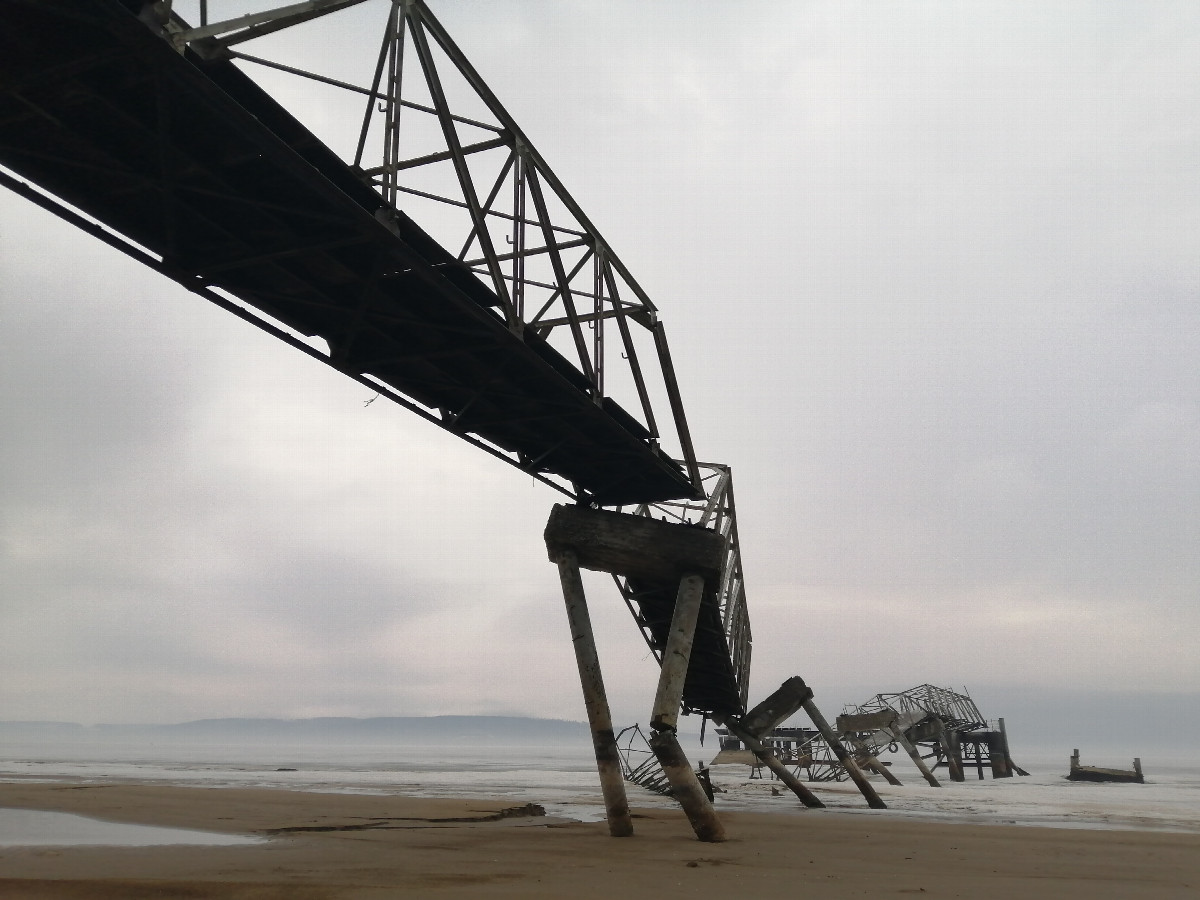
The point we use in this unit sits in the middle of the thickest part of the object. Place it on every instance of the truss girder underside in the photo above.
(215, 184)
(143, 129)
(718, 677)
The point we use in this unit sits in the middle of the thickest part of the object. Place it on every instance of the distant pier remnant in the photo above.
(934, 726)
(1095, 773)
(933, 723)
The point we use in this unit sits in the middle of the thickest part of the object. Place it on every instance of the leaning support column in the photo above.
(901, 738)
(608, 760)
(844, 757)
(685, 786)
(677, 654)
(768, 759)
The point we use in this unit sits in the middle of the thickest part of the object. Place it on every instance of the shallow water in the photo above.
(36, 828)
(563, 780)
(1170, 801)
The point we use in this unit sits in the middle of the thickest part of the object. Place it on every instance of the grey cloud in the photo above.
(930, 276)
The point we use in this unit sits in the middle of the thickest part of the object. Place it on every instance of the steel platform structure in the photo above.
(530, 339)
(157, 135)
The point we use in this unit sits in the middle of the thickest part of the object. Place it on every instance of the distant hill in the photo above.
(330, 730)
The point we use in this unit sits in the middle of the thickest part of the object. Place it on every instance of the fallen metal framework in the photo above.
(947, 726)
(925, 722)
(639, 765)
(955, 710)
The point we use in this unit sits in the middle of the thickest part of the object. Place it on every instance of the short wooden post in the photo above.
(685, 786)
(901, 738)
(843, 756)
(768, 759)
(604, 742)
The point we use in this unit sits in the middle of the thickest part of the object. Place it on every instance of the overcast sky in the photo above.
(932, 277)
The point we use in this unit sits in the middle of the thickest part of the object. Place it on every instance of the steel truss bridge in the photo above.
(436, 259)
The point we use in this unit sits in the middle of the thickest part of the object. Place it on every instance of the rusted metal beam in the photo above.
(560, 274)
(535, 251)
(466, 183)
(676, 401)
(443, 156)
(255, 25)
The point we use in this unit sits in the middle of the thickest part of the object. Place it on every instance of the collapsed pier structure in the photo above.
(1101, 774)
(934, 726)
(436, 259)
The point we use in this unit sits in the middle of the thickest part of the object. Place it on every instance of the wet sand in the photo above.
(333, 846)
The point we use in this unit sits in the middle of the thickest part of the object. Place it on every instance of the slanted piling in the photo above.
(843, 756)
(604, 742)
(768, 759)
(677, 653)
(685, 786)
(901, 738)
(871, 760)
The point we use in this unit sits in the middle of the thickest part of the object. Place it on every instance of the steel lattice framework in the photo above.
(717, 511)
(957, 711)
(504, 316)
(484, 183)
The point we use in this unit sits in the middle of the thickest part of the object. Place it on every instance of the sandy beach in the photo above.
(358, 846)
